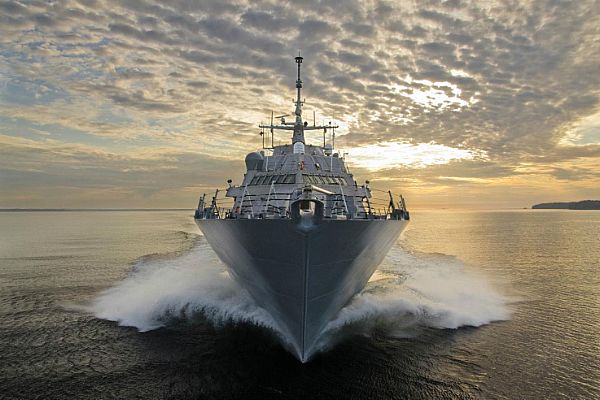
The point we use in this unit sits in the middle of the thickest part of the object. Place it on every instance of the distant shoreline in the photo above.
(572, 205)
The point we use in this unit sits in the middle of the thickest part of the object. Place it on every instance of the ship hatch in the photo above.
(307, 206)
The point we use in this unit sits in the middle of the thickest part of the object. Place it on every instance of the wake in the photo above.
(159, 290)
(414, 291)
(409, 291)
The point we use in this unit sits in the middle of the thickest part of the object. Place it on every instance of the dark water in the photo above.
(468, 305)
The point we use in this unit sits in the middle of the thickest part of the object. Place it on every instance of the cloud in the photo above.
(516, 82)
(142, 177)
(394, 154)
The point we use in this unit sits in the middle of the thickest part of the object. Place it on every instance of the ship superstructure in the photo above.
(299, 233)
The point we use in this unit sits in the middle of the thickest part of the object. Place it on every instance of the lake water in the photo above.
(493, 305)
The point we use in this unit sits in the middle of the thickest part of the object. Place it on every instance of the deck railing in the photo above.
(381, 205)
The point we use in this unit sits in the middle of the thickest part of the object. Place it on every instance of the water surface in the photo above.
(135, 305)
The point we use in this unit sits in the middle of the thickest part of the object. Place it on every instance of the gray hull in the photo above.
(301, 275)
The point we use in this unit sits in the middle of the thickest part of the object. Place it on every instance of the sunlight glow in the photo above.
(460, 73)
(585, 131)
(433, 95)
(403, 154)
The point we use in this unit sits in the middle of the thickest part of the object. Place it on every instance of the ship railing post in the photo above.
(213, 206)
(404, 210)
(266, 209)
(370, 211)
(249, 199)
(200, 208)
(391, 206)
(241, 206)
(201, 201)
(344, 199)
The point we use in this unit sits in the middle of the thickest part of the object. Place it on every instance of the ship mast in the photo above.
(298, 126)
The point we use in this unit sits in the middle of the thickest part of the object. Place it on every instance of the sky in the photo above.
(455, 104)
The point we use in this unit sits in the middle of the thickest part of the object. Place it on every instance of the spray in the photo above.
(410, 291)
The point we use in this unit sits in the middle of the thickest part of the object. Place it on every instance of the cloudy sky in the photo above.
(454, 103)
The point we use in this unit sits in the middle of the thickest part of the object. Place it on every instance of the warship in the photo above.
(299, 233)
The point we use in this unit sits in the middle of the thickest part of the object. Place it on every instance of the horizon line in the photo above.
(193, 209)
(93, 209)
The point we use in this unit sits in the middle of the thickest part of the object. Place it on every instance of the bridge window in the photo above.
(324, 180)
(259, 180)
(311, 179)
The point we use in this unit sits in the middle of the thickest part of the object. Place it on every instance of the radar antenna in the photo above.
(298, 126)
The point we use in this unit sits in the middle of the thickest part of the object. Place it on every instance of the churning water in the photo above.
(135, 304)
(409, 291)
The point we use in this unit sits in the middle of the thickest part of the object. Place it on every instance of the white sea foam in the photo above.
(412, 291)
(409, 292)
(159, 289)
